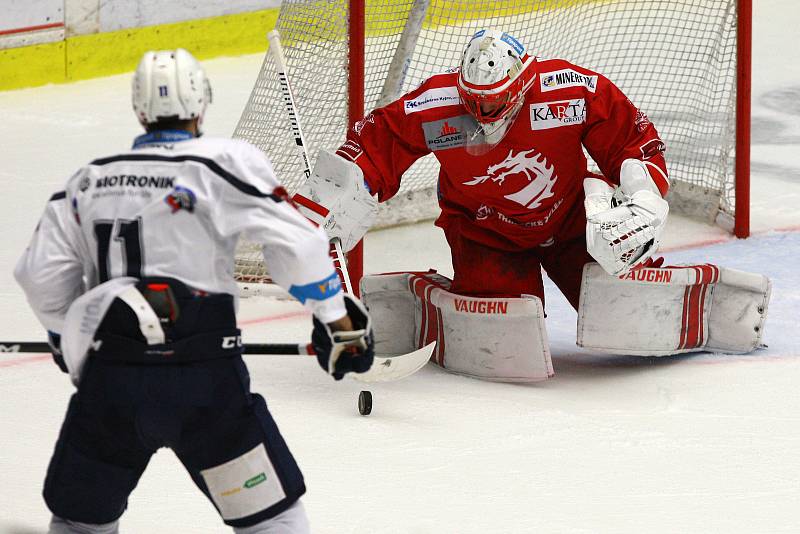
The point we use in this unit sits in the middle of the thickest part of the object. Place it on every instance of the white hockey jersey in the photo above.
(174, 206)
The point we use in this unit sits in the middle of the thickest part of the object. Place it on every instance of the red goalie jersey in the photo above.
(529, 187)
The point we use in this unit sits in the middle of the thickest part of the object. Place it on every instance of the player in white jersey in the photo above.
(131, 271)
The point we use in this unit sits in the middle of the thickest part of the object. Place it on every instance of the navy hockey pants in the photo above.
(122, 413)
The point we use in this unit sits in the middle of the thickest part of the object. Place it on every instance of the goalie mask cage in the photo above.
(685, 63)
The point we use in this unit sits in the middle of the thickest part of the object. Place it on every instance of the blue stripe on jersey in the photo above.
(159, 137)
(58, 196)
(324, 289)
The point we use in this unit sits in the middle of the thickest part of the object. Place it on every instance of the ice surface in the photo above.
(700, 443)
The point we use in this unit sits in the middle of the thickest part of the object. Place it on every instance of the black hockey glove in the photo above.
(54, 340)
(345, 351)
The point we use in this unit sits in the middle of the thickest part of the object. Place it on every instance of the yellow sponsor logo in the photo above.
(230, 492)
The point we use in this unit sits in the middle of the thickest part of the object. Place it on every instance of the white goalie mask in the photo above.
(496, 72)
(170, 84)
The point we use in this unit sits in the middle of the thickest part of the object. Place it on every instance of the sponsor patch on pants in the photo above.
(245, 485)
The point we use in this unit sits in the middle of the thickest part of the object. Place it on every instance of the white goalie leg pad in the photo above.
(672, 310)
(391, 304)
(500, 339)
(245, 485)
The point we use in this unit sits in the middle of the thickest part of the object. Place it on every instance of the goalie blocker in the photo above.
(672, 310)
(337, 198)
(500, 339)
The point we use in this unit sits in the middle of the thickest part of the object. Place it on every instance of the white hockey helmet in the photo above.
(170, 84)
(495, 73)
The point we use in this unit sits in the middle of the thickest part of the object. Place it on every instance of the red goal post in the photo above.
(684, 63)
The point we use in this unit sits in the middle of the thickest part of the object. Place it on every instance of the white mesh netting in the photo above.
(675, 59)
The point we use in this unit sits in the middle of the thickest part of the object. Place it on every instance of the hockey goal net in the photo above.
(683, 62)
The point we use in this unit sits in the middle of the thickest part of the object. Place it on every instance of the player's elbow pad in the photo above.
(42, 294)
(22, 275)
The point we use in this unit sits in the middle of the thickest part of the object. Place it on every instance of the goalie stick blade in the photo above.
(391, 368)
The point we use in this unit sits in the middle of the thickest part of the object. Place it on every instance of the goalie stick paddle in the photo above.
(385, 368)
(288, 98)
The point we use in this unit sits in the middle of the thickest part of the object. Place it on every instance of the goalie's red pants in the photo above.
(482, 271)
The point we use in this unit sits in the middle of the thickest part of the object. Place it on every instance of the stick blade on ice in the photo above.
(389, 368)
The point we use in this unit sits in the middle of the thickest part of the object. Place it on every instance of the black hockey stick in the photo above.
(249, 348)
(384, 368)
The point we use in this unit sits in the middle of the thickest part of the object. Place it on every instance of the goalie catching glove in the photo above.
(345, 351)
(337, 198)
(623, 228)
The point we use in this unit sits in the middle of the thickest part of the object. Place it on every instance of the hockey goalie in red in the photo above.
(516, 197)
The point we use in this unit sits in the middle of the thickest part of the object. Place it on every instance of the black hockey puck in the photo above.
(365, 402)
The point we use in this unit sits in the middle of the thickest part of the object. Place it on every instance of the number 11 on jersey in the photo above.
(126, 232)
